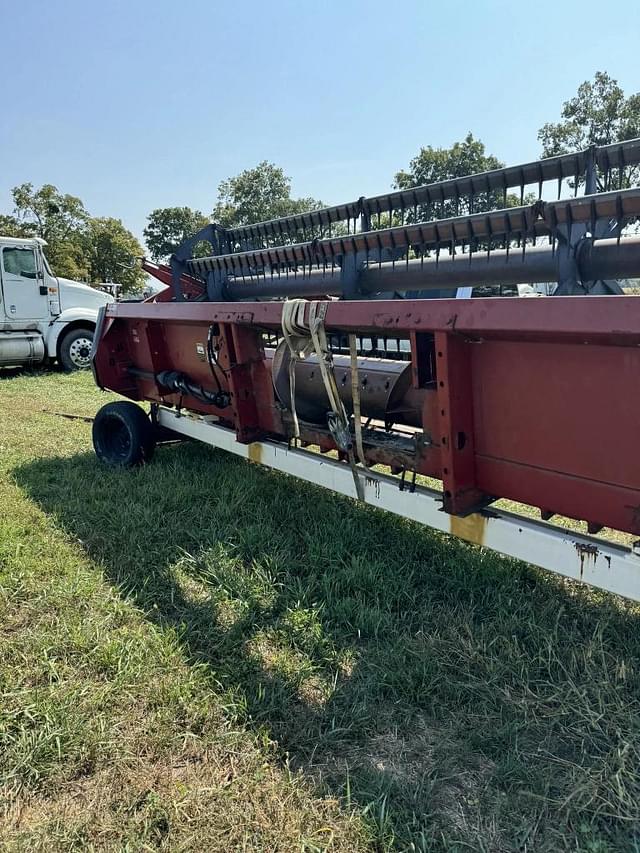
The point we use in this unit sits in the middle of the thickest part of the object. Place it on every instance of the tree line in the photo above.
(98, 249)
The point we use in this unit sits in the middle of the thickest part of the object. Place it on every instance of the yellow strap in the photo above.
(355, 397)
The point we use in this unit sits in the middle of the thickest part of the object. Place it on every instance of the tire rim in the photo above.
(80, 352)
(115, 439)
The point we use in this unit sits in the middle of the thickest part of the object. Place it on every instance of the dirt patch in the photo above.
(423, 764)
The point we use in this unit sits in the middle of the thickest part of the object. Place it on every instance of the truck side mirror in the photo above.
(25, 274)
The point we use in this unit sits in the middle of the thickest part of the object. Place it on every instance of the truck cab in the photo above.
(43, 317)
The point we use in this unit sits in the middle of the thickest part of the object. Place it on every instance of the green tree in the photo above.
(256, 195)
(599, 114)
(440, 164)
(10, 226)
(168, 227)
(111, 252)
(58, 218)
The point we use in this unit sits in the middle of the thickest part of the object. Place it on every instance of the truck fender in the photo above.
(70, 318)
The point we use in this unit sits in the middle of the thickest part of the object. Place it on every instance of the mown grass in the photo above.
(202, 654)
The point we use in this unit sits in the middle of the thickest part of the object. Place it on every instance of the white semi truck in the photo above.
(43, 317)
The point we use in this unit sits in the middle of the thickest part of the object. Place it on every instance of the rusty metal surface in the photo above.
(603, 318)
(542, 390)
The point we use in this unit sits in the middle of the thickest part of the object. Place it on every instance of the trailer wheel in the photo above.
(123, 435)
(75, 349)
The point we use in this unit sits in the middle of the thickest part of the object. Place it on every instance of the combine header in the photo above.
(312, 331)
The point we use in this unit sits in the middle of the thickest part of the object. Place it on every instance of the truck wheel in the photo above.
(123, 435)
(75, 349)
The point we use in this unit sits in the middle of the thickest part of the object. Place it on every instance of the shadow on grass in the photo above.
(27, 371)
(454, 694)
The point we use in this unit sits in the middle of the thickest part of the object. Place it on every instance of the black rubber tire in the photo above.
(123, 435)
(69, 358)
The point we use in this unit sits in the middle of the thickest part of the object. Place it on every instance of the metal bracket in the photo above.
(351, 265)
(573, 237)
(213, 234)
(571, 242)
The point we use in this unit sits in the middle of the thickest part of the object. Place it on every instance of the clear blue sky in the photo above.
(136, 105)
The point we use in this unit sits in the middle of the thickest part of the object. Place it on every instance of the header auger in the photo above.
(532, 400)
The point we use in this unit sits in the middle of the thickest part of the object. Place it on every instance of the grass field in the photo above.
(203, 655)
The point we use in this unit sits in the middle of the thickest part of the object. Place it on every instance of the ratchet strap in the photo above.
(302, 339)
